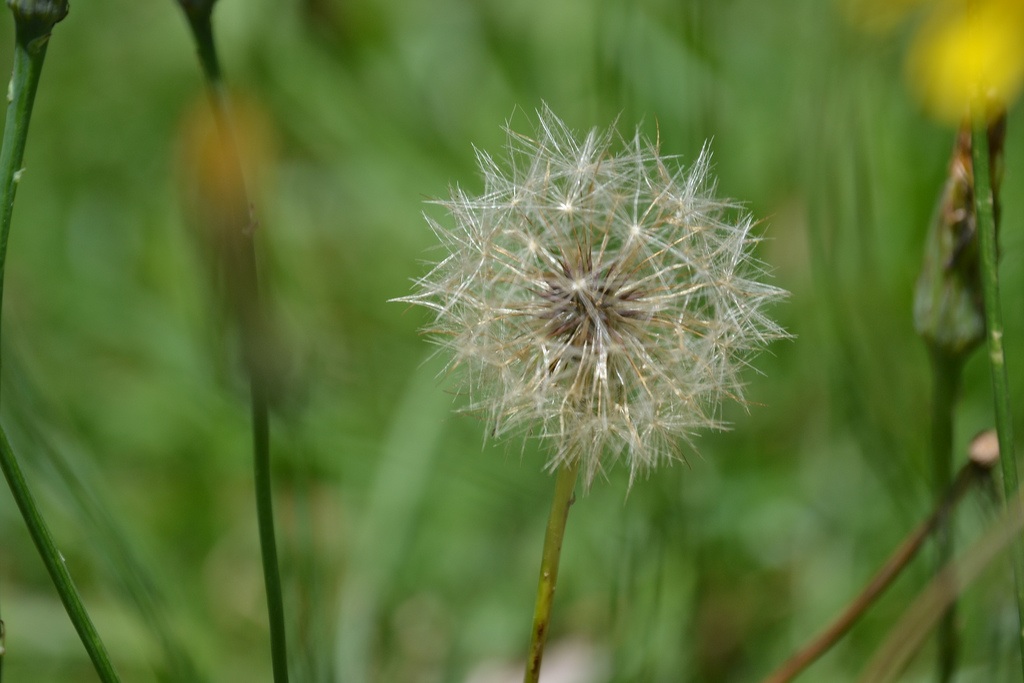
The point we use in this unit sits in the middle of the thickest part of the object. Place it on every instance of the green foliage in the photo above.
(410, 547)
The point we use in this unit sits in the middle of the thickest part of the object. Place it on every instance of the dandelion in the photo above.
(602, 301)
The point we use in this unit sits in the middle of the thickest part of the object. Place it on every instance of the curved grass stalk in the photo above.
(54, 563)
(34, 21)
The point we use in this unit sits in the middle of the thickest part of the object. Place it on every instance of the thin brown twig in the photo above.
(971, 472)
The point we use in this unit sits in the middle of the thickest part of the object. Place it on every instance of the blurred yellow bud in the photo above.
(967, 54)
(219, 159)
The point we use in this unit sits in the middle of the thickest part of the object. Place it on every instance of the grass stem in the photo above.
(33, 24)
(987, 229)
(244, 298)
(54, 563)
(268, 540)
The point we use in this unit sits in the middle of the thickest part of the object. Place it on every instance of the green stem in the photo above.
(268, 542)
(945, 385)
(54, 563)
(565, 484)
(28, 66)
(29, 53)
(200, 20)
(984, 204)
(33, 23)
(243, 295)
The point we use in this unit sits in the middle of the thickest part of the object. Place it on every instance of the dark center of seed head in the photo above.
(584, 302)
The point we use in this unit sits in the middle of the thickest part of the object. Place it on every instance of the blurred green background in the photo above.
(410, 547)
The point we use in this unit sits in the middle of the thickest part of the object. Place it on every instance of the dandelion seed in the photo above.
(602, 301)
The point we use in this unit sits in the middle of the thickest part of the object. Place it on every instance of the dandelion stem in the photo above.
(565, 484)
(985, 206)
(897, 562)
(33, 23)
(243, 292)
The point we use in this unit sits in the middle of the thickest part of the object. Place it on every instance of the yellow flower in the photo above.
(967, 54)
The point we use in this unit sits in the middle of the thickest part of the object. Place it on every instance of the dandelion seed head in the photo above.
(605, 302)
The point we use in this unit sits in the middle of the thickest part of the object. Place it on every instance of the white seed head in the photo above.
(603, 301)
